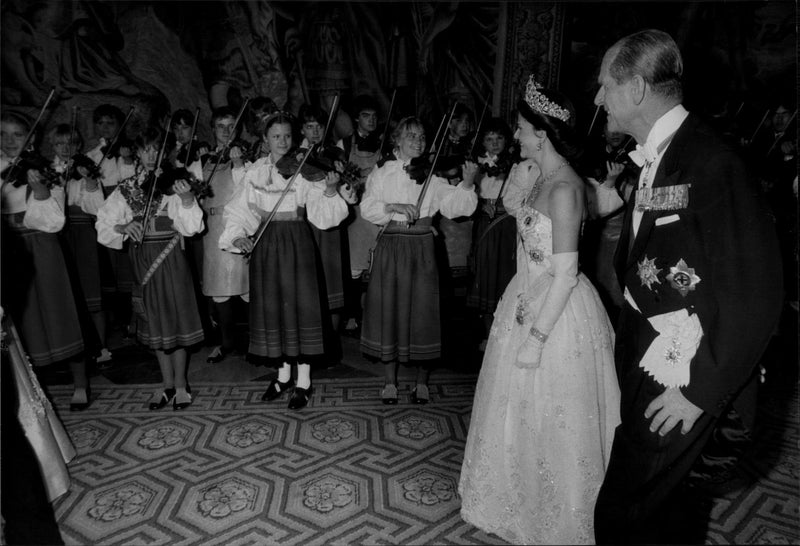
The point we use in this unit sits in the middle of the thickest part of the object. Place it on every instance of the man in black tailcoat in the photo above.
(700, 270)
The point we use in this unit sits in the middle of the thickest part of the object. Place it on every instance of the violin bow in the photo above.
(433, 163)
(478, 128)
(388, 121)
(263, 226)
(758, 128)
(594, 118)
(228, 142)
(191, 138)
(331, 117)
(439, 130)
(73, 123)
(30, 134)
(116, 136)
(149, 205)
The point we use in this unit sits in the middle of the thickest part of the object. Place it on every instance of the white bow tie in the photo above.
(643, 154)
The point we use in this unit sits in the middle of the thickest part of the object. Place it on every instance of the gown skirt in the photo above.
(539, 439)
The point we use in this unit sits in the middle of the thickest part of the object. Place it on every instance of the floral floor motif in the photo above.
(345, 470)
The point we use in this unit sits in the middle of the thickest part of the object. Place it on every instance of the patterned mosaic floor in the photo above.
(346, 470)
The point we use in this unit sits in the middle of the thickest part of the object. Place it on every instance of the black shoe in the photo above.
(275, 390)
(389, 395)
(420, 395)
(300, 398)
(80, 406)
(217, 355)
(166, 397)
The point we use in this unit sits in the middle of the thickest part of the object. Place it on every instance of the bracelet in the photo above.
(541, 336)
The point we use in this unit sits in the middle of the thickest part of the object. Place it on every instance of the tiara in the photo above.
(541, 104)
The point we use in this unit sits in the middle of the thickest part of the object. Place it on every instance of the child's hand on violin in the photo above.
(331, 181)
(184, 191)
(244, 244)
(468, 172)
(132, 229)
(236, 156)
(38, 185)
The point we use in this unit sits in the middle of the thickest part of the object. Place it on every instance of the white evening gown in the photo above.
(540, 439)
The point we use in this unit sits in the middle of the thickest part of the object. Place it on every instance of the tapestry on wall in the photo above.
(534, 45)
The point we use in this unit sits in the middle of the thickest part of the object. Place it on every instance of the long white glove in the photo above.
(565, 277)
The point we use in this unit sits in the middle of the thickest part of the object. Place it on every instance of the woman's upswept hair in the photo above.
(561, 134)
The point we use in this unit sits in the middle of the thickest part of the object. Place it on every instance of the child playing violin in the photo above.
(362, 148)
(166, 309)
(401, 309)
(225, 275)
(115, 268)
(332, 243)
(287, 305)
(84, 199)
(494, 248)
(36, 285)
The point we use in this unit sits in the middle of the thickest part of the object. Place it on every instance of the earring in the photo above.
(539, 146)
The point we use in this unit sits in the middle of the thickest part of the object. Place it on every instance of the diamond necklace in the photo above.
(537, 186)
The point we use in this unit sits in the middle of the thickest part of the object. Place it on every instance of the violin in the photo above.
(214, 156)
(169, 175)
(17, 172)
(82, 166)
(321, 161)
(192, 151)
(419, 167)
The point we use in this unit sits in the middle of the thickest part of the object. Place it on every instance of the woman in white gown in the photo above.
(547, 400)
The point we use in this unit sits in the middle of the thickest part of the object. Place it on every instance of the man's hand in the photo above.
(670, 408)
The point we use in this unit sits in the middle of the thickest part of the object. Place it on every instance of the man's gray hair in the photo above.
(653, 55)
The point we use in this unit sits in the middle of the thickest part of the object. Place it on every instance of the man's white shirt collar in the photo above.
(662, 129)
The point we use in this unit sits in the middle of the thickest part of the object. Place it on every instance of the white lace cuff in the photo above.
(669, 356)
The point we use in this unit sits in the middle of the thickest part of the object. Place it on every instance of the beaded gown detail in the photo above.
(539, 439)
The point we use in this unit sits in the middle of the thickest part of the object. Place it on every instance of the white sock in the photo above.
(304, 376)
(285, 372)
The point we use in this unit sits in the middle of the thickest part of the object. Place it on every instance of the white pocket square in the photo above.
(667, 219)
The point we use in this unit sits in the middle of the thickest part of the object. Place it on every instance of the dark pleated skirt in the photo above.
(38, 294)
(495, 261)
(81, 239)
(401, 310)
(170, 318)
(287, 303)
(331, 244)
